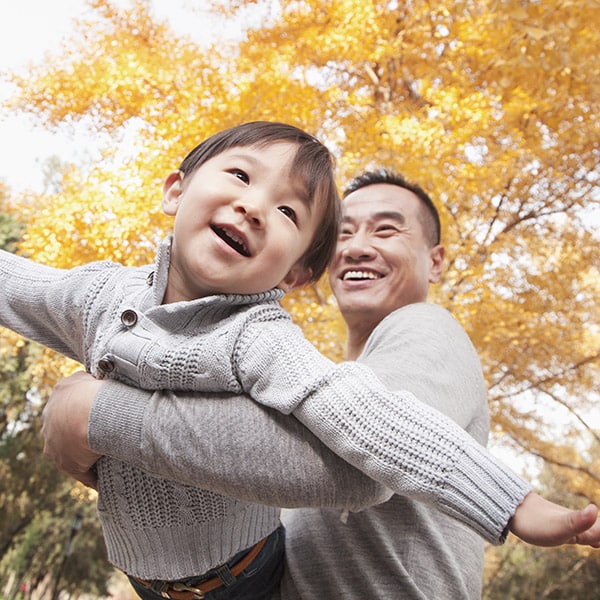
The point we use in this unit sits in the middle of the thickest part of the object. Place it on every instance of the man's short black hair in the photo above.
(429, 217)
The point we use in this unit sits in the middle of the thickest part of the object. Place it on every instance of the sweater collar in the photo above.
(161, 271)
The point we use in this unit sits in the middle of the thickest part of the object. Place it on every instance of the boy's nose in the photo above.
(253, 211)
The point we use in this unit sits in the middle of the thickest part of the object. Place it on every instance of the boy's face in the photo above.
(242, 222)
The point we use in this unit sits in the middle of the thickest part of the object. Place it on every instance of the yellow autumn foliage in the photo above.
(490, 106)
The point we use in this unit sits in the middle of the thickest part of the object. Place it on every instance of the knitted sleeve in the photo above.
(417, 452)
(45, 304)
(227, 444)
(394, 438)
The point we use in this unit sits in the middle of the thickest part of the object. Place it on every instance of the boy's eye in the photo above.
(241, 175)
(289, 212)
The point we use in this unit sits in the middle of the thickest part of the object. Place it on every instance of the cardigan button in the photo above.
(129, 317)
(106, 365)
(150, 278)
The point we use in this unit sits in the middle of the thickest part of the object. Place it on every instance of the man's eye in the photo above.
(241, 175)
(289, 212)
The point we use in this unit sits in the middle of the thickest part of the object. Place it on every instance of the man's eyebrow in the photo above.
(389, 214)
(379, 216)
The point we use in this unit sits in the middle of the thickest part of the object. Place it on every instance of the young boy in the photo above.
(255, 211)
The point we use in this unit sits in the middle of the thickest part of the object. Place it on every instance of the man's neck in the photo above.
(357, 338)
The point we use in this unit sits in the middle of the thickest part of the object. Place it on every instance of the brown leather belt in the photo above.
(179, 591)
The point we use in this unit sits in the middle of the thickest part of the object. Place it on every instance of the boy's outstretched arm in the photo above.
(543, 523)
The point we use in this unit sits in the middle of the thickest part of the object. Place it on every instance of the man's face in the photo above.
(382, 260)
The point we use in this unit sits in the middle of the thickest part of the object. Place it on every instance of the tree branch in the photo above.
(565, 578)
(556, 462)
(588, 428)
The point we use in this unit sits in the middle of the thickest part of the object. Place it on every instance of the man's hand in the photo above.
(65, 424)
(543, 523)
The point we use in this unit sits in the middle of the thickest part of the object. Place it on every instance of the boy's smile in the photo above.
(233, 238)
(242, 222)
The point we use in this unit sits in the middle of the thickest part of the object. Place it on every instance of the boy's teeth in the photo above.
(233, 239)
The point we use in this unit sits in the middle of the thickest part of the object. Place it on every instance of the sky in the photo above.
(29, 29)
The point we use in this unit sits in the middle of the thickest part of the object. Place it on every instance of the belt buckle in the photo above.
(181, 587)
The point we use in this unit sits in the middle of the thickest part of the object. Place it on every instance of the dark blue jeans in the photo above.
(256, 582)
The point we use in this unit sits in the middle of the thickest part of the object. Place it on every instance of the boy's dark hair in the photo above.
(428, 215)
(313, 166)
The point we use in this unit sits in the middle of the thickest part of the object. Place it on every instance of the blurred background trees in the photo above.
(37, 503)
(490, 106)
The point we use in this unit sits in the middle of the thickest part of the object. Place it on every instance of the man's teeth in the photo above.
(360, 275)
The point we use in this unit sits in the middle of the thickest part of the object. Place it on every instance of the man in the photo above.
(388, 254)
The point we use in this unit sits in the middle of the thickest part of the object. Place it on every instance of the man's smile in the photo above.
(359, 275)
(232, 238)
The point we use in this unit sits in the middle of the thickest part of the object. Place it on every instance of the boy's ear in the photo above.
(172, 190)
(297, 276)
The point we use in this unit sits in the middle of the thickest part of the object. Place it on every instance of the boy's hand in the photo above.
(543, 523)
(65, 424)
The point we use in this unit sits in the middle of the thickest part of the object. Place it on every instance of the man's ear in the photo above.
(172, 190)
(297, 277)
(436, 255)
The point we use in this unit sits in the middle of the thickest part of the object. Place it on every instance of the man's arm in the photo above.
(65, 427)
(226, 444)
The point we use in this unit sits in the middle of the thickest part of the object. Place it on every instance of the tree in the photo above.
(490, 106)
(36, 502)
(534, 573)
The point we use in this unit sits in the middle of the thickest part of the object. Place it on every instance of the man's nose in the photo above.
(357, 248)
